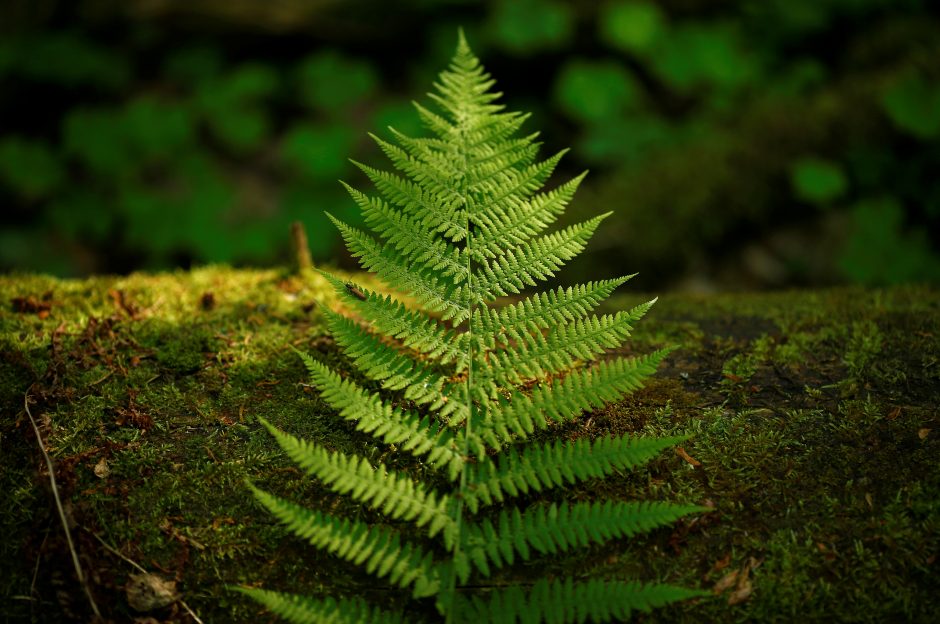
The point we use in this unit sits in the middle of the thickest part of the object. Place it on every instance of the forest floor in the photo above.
(813, 414)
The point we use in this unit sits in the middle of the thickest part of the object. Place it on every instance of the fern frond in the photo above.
(396, 496)
(428, 150)
(493, 129)
(428, 289)
(543, 310)
(536, 355)
(434, 122)
(581, 390)
(566, 600)
(432, 175)
(302, 610)
(419, 381)
(412, 433)
(378, 361)
(518, 223)
(491, 160)
(463, 89)
(460, 219)
(380, 551)
(534, 260)
(415, 329)
(445, 215)
(549, 529)
(552, 464)
(410, 239)
(514, 186)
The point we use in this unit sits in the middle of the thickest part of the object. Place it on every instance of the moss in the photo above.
(819, 460)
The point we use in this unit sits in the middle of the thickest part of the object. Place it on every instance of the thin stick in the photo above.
(32, 586)
(58, 504)
(117, 552)
(300, 248)
(140, 568)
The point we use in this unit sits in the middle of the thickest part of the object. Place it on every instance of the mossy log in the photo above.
(816, 438)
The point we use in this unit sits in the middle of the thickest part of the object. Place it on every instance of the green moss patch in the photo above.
(812, 414)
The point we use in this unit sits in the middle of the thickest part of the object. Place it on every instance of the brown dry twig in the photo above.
(141, 569)
(58, 503)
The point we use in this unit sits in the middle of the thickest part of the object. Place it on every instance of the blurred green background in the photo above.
(741, 144)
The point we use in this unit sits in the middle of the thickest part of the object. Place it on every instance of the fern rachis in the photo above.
(462, 221)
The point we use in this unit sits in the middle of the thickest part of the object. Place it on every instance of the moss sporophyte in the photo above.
(471, 391)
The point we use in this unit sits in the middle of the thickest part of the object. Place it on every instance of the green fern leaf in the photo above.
(416, 330)
(460, 219)
(543, 466)
(444, 215)
(555, 528)
(536, 355)
(579, 391)
(525, 220)
(415, 434)
(302, 610)
(428, 289)
(396, 371)
(542, 311)
(380, 551)
(407, 236)
(396, 496)
(531, 261)
(570, 601)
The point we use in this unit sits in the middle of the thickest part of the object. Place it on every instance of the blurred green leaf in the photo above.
(332, 83)
(97, 140)
(64, 58)
(232, 105)
(29, 167)
(818, 181)
(880, 251)
(800, 76)
(595, 91)
(249, 83)
(318, 151)
(623, 140)
(155, 128)
(81, 214)
(32, 249)
(791, 18)
(399, 115)
(631, 26)
(913, 104)
(155, 222)
(116, 143)
(192, 66)
(698, 54)
(189, 216)
(210, 235)
(241, 129)
(526, 26)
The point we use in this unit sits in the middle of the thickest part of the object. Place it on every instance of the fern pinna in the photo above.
(469, 386)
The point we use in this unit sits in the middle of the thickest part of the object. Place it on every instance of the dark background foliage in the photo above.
(741, 144)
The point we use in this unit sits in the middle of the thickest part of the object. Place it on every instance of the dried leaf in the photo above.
(722, 563)
(726, 582)
(102, 470)
(923, 433)
(681, 452)
(146, 592)
(742, 591)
